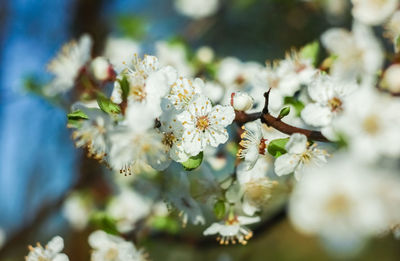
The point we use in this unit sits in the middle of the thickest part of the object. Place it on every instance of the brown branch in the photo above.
(271, 121)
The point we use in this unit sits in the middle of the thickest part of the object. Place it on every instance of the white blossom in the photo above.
(329, 98)
(67, 65)
(127, 208)
(77, 210)
(300, 155)
(179, 195)
(182, 92)
(148, 83)
(172, 131)
(204, 124)
(51, 252)
(373, 12)
(339, 203)
(359, 53)
(113, 248)
(174, 54)
(197, 9)
(370, 125)
(232, 230)
(256, 186)
(254, 142)
(92, 133)
(120, 51)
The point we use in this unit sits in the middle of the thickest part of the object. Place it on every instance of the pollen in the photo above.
(202, 123)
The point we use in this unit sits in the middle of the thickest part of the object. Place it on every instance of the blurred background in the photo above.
(38, 162)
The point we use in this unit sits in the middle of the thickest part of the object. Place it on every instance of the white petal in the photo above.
(213, 229)
(249, 209)
(243, 220)
(61, 257)
(222, 115)
(286, 164)
(297, 144)
(316, 115)
(56, 245)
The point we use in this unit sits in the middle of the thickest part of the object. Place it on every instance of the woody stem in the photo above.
(271, 121)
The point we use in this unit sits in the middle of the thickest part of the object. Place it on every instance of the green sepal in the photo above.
(284, 112)
(219, 209)
(277, 147)
(124, 83)
(298, 105)
(193, 162)
(107, 105)
(75, 118)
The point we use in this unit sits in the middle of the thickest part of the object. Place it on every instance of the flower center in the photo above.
(259, 191)
(306, 157)
(371, 124)
(202, 123)
(111, 254)
(335, 104)
(138, 92)
(169, 139)
(262, 146)
(338, 204)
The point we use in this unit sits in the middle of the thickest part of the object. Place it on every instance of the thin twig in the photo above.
(271, 121)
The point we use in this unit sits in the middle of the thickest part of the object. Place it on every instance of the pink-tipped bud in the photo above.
(241, 101)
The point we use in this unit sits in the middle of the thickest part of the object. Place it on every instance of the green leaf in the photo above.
(75, 119)
(167, 224)
(77, 115)
(132, 26)
(219, 209)
(124, 83)
(277, 147)
(284, 112)
(107, 105)
(193, 162)
(310, 51)
(298, 105)
(104, 222)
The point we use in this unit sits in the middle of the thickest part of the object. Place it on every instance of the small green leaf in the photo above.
(104, 222)
(277, 147)
(75, 119)
(284, 112)
(193, 162)
(298, 105)
(167, 224)
(132, 26)
(124, 83)
(310, 51)
(77, 115)
(107, 105)
(219, 209)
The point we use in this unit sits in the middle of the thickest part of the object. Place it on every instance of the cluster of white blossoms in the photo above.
(105, 247)
(225, 142)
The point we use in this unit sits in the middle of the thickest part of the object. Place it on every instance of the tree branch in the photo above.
(271, 121)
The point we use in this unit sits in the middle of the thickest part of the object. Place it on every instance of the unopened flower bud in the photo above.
(391, 79)
(102, 69)
(241, 101)
(205, 54)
